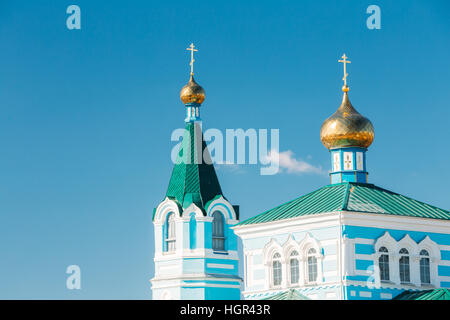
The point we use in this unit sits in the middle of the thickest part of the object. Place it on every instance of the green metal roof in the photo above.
(193, 180)
(290, 294)
(350, 196)
(433, 294)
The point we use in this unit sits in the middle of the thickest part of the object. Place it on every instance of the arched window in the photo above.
(218, 237)
(404, 266)
(312, 265)
(276, 269)
(424, 267)
(294, 267)
(171, 233)
(383, 264)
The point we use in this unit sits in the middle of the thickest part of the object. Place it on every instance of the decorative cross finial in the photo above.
(345, 61)
(191, 49)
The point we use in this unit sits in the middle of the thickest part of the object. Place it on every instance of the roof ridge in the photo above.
(197, 167)
(346, 197)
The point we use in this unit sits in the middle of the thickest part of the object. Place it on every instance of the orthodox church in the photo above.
(347, 240)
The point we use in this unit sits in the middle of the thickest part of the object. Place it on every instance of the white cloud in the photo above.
(288, 163)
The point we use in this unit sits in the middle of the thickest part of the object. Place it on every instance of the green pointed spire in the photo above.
(194, 179)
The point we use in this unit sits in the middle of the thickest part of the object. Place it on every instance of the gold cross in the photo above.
(191, 49)
(345, 61)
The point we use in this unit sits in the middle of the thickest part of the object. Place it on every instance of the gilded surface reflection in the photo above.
(347, 128)
(192, 92)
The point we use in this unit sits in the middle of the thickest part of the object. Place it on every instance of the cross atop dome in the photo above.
(344, 61)
(192, 94)
(192, 50)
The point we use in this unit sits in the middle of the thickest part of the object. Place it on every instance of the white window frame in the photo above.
(336, 161)
(315, 256)
(220, 236)
(404, 255)
(348, 163)
(276, 258)
(427, 257)
(359, 161)
(414, 250)
(171, 236)
(384, 253)
(294, 256)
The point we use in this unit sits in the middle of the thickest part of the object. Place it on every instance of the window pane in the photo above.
(171, 233)
(217, 224)
(404, 269)
(294, 271)
(276, 273)
(425, 270)
(383, 264)
(312, 269)
(218, 238)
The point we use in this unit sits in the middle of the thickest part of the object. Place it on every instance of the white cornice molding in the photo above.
(195, 276)
(196, 253)
(297, 224)
(321, 220)
(386, 221)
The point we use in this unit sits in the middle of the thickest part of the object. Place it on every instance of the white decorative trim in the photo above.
(211, 285)
(365, 294)
(165, 208)
(224, 207)
(192, 208)
(177, 280)
(285, 251)
(444, 247)
(375, 220)
(219, 266)
(197, 253)
(414, 249)
(385, 295)
(361, 256)
(363, 241)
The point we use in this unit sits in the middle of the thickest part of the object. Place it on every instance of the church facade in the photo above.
(347, 240)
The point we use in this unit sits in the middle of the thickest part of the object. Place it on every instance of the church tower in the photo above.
(347, 135)
(195, 249)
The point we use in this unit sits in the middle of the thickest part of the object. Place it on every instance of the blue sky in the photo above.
(86, 118)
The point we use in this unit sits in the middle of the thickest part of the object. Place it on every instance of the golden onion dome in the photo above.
(347, 128)
(192, 92)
